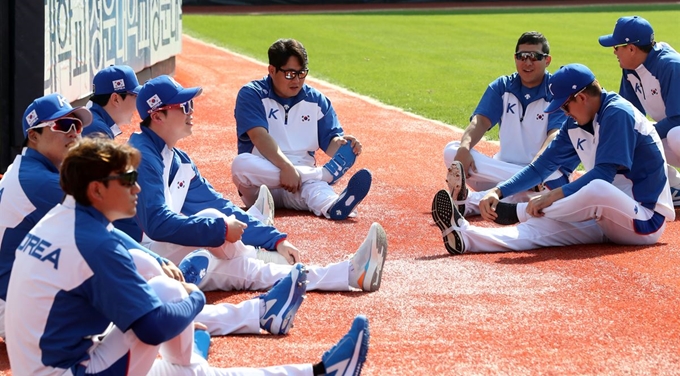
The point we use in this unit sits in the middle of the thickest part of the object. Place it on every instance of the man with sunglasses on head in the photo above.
(516, 104)
(30, 187)
(178, 210)
(115, 90)
(651, 81)
(622, 198)
(77, 304)
(280, 123)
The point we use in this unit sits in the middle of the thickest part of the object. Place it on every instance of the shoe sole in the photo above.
(266, 196)
(360, 323)
(445, 216)
(357, 189)
(374, 266)
(358, 336)
(455, 179)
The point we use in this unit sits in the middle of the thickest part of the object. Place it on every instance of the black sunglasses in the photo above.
(532, 55)
(290, 74)
(127, 179)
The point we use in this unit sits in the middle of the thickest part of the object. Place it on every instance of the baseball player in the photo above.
(651, 81)
(179, 210)
(30, 188)
(74, 278)
(115, 90)
(516, 104)
(623, 197)
(281, 122)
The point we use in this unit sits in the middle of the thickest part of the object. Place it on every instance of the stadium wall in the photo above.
(59, 45)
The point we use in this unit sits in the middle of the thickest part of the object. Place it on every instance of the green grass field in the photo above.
(433, 63)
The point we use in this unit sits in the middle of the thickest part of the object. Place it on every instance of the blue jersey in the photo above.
(300, 125)
(518, 110)
(173, 191)
(620, 136)
(72, 278)
(101, 123)
(28, 190)
(654, 87)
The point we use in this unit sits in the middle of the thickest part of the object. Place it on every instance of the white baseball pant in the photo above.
(250, 171)
(221, 319)
(490, 172)
(237, 267)
(671, 147)
(597, 213)
(178, 357)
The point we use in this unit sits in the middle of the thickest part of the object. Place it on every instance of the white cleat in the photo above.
(265, 204)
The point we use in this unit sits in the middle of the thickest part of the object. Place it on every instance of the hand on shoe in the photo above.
(464, 156)
(172, 271)
(356, 145)
(200, 326)
(487, 206)
(289, 251)
(235, 229)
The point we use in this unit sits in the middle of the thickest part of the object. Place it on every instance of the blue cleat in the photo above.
(357, 189)
(195, 266)
(348, 356)
(342, 161)
(282, 301)
(202, 343)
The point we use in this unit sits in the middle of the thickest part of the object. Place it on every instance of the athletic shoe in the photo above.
(348, 356)
(343, 159)
(455, 179)
(202, 343)
(675, 195)
(271, 257)
(365, 270)
(357, 189)
(265, 204)
(448, 219)
(195, 266)
(282, 301)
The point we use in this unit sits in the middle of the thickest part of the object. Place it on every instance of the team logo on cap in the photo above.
(154, 101)
(31, 118)
(119, 84)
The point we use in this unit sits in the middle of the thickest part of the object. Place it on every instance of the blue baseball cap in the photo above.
(52, 107)
(115, 79)
(163, 91)
(629, 30)
(567, 81)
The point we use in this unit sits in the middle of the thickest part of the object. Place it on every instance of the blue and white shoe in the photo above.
(195, 266)
(342, 161)
(357, 189)
(282, 301)
(202, 343)
(675, 195)
(366, 266)
(348, 356)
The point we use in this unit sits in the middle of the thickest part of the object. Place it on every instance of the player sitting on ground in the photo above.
(180, 211)
(651, 82)
(516, 104)
(30, 188)
(623, 197)
(61, 301)
(281, 122)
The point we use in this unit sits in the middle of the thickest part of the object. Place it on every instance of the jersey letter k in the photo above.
(510, 108)
(638, 88)
(272, 113)
(579, 143)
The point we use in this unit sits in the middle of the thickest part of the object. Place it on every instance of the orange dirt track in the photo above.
(600, 309)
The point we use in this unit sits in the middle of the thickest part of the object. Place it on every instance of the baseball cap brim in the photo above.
(607, 41)
(81, 113)
(185, 95)
(555, 104)
(136, 90)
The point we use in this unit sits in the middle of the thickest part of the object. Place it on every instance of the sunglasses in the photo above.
(616, 48)
(565, 106)
(531, 55)
(187, 107)
(290, 74)
(63, 125)
(127, 179)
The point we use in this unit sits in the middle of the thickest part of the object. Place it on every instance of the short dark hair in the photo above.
(534, 37)
(147, 120)
(93, 159)
(103, 99)
(647, 48)
(283, 49)
(38, 130)
(593, 89)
